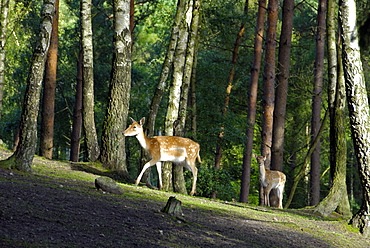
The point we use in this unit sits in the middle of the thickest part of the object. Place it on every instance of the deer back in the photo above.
(176, 149)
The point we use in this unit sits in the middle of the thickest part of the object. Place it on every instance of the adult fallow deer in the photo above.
(271, 180)
(166, 148)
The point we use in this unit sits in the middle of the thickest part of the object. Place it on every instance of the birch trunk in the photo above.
(113, 148)
(358, 108)
(25, 151)
(337, 197)
(91, 138)
(192, 29)
(4, 5)
(175, 89)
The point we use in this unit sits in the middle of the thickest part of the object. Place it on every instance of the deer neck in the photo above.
(262, 172)
(143, 140)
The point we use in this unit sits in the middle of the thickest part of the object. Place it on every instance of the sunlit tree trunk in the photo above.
(25, 151)
(92, 146)
(175, 89)
(358, 106)
(178, 171)
(113, 143)
(281, 94)
(77, 113)
(269, 84)
(4, 5)
(48, 101)
(158, 94)
(278, 132)
(156, 100)
(316, 102)
(252, 101)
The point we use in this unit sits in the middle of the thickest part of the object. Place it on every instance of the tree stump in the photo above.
(173, 207)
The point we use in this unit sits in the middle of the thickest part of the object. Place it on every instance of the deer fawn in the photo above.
(166, 148)
(271, 180)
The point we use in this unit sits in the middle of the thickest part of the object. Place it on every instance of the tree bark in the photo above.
(252, 102)
(178, 171)
(113, 148)
(156, 100)
(91, 138)
(358, 108)
(278, 132)
(48, 101)
(4, 5)
(175, 89)
(173, 207)
(269, 86)
(277, 154)
(25, 151)
(157, 97)
(316, 102)
(337, 197)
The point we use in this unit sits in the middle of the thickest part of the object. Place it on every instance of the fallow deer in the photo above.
(166, 148)
(271, 180)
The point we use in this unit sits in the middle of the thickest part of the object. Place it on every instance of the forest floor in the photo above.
(58, 206)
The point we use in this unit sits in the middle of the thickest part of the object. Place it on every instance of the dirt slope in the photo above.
(45, 210)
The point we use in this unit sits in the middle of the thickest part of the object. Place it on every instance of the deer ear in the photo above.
(132, 120)
(264, 158)
(142, 121)
(254, 155)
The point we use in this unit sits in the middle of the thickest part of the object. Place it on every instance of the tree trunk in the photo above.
(252, 102)
(269, 85)
(113, 148)
(175, 90)
(156, 100)
(229, 87)
(92, 146)
(338, 148)
(178, 171)
(278, 132)
(277, 154)
(25, 151)
(358, 108)
(269, 81)
(4, 5)
(77, 113)
(316, 101)
(48, 101)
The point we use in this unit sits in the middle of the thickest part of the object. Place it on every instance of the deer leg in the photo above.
(280, 191)
(267, 195)
(195, 176)
(146, 166)
(159, 170)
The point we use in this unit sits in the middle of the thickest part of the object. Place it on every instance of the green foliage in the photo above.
(215, 182)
